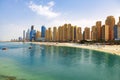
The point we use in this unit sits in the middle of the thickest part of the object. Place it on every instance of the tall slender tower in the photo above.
(72, 33)
(94, 33)
(105, 32)
(110, 21)
(75, 33)
(68, 33)
(23, 35)
(50, 34)
(87, 33)
(98, 29)
(59, 33)
(32, 33)
(43, 29)
(118, 29)
(79, 34)
(28, 35)
(65, 30)
(46, 35)
(38, 35)
(55, 34)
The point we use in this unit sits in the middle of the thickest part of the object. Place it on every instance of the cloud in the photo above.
(44, 10)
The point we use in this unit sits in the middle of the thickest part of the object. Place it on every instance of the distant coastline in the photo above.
(112, 49)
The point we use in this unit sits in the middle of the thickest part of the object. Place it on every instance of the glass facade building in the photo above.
(43, 29)
(32, 34)
(28, 35)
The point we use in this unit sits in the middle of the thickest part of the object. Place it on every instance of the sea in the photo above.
(43, 62)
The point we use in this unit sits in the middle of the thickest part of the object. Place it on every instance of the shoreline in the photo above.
(112, 49)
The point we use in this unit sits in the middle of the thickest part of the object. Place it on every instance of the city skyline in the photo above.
(19, 15)
(71, 33)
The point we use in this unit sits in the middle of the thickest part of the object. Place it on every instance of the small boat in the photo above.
(30, 47)
(4, 48)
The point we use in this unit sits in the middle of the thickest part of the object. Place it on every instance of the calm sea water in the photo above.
(56, 63)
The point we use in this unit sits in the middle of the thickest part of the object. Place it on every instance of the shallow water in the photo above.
(56, 63)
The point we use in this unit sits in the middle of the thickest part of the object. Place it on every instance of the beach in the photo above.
(112, 49)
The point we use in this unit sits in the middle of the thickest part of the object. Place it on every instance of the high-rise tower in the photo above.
(105, 32)
(24, 35)
(43, 29)
(98, 30)
(28, 35)
(55, 34)
(94, 33)
(32, 34)
(110, 21)
(87, 33)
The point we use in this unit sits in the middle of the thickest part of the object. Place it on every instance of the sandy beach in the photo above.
(112, 49)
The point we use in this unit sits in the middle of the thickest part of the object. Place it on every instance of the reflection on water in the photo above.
(56, 63)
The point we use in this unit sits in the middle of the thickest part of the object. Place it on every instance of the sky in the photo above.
(19, 15)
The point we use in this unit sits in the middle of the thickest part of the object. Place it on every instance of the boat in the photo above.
(4, 48)
(30, 47)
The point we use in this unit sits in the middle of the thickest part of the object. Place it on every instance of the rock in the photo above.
(11, 78)
(3, 77)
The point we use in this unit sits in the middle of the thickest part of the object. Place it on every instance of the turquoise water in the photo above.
(56, 63)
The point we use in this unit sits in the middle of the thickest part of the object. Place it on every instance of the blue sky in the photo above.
(19, 15)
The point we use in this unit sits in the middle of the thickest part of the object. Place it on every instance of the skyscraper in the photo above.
(87, 33)
(49, 34)
(38, 35)
(20, 39)
(24, 35)
(72, 33)
(32, 27)
(28, 35)
(98, 30)
(32, 34)
(110, 21)
(65, 31)
(46, 35)
(61, 33)
(75, 34)
(78, 34)
(68, 33)
(94, 33)
(105, 32)
(119, 22)
(118, 34)
(55, 34)
(43, 29)
(115, 32)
